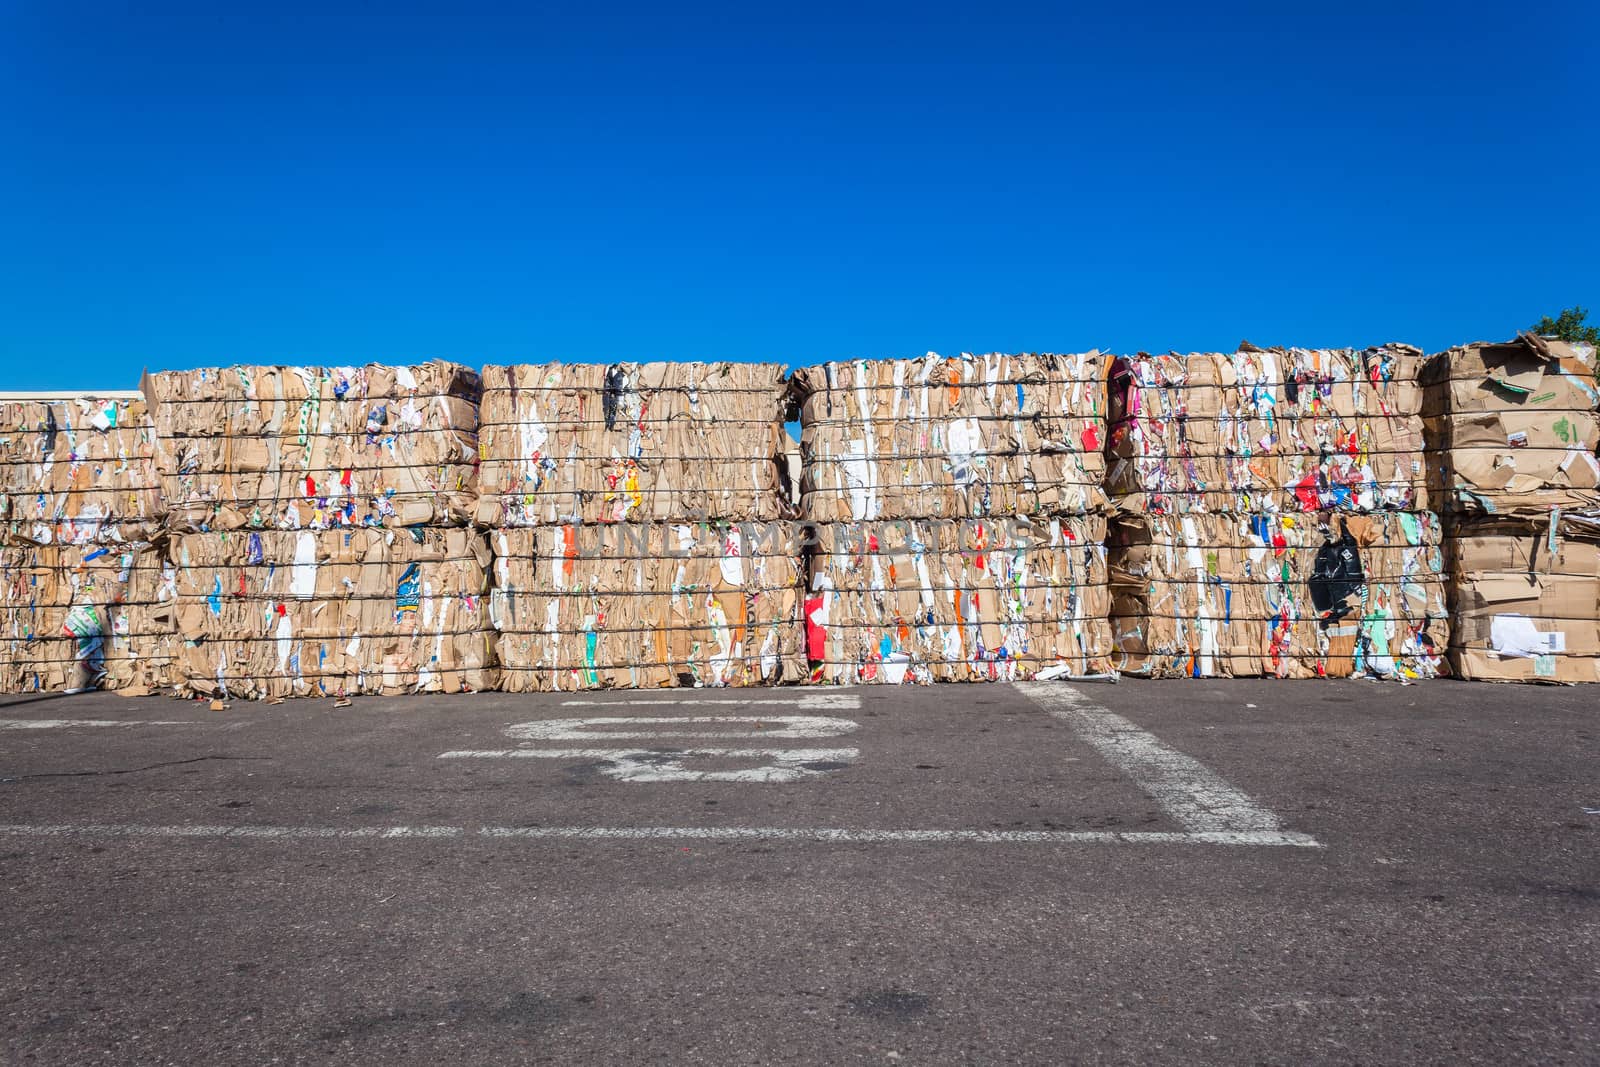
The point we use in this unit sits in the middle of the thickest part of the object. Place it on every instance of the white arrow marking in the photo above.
(647, 765)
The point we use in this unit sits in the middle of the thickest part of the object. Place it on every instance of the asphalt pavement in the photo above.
(1147, 872)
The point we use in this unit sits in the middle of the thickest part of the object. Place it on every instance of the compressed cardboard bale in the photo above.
(1525, 598)
(1523, 627)
(647, 605)
(77, 616)
(952, 437)
(957, 600)
(317, 447)
(1202, 595)
(77, 470)
(282, 613)
(1513, 428)
(1264, 430)
(633, 442)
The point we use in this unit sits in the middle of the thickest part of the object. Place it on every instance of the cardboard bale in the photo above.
(316, 447)
(952, 437)
(633, 442)
(647, 605)
(94, 615)
(77, 470)
(957, 600)
(1198, 595)
(1513, 428)
(1524, 627)
(1525, 598)
(282, 613)
(1267, 430)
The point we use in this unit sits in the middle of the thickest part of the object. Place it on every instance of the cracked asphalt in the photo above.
(299, 884)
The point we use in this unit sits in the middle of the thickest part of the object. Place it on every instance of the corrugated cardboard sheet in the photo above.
(278, 613)
(969, 600)
(952, 437)
(77, 471)
(1231, 594)
(1513, 428)
(1525, 600)
(632, 442)
(1296, 430)
(80, 615)
(316, 447)
(647, 605)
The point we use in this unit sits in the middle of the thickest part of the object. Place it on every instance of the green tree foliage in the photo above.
(1568, 326)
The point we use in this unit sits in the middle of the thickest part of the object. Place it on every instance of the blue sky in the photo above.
(793, 183)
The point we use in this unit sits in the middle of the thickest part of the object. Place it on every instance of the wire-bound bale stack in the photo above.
(1512, 429)
(639, 519)
(1270, 515)
(957, 520)
(82, 597)
(320, 518)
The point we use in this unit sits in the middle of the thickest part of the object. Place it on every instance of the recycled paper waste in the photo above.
(86, 615)
(1513, 429)
(1267, 430)
(78, 470)
(1281, 595)
(647, 605)
(316, 447)
(956, 437)
(633, 442)
(280, 613)
(957, 600)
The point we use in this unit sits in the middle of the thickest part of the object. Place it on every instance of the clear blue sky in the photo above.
(794, 183)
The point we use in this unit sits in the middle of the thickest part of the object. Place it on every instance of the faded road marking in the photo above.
(1185, 788)
(676, 833)
(774, 727)
(666, 765)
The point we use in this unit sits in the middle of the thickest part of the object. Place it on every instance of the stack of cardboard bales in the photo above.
(639, 519)
(85, 599)
(956, 508)
(1270, 515)
(1513, 429)
(319, 519)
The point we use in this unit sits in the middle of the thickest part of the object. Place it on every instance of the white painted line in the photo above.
(682, 833)
(331, 832)
(658, 765)
(805, 702)
(1184, 787)
(68, 724)
(773, 727)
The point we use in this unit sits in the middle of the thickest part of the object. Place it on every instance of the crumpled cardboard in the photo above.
(1512, 428)
(633, 442)
(76, 471)
(1264, 430)
(1525, 598)
(281, 613)
(1000, 599)
(316, 447)
(1198, 595)
(647, 605)
(1526, 627)
(92, 615)
(955, 437)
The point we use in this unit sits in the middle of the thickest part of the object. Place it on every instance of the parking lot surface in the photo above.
(1205, 871)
